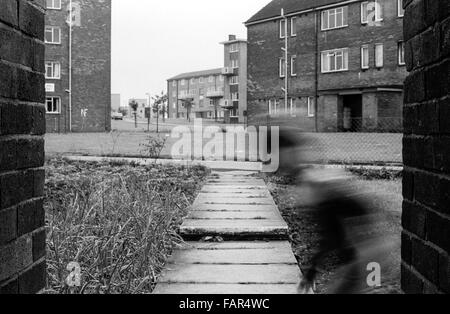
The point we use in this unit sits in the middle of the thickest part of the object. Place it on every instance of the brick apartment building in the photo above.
(217, 93)
(345, 64)
(88, 107)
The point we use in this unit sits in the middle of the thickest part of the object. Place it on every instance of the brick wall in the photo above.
(91, 73)
(22, 125)
(426, 209)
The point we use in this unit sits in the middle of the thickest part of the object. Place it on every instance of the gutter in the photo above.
(275, 18)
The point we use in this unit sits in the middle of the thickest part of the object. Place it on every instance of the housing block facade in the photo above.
(80, 63)
(22, 128)
(426, 149)
(219, 94)
(344, 69)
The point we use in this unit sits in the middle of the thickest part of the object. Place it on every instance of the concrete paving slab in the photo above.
(233, 189)
(235, 274)
(250, 195)
(235, 200)
(234, 256)
(241, 245)
(235, 228)
(235, 207)
(226, 289)
(270, 215)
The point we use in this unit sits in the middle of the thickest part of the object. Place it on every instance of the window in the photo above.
(52, 35)
(201, 91)
(221, 78)
(334, 18)
(294, 66)
(234, 47)
(234, 96)
(53, 105)
(235, 64)
(174, 84)
(52, 70)
(211, 79)
(192, 80)
(335, 60)
(273, 107)
(54, 4)
(293, 107)
(293, 27)
(401, 53)
(234, 80)
(365, 57)
(311, 107)
(401, 11)
(372, 10)
(174, 105)
(379, 55)
(283, 28)
(183, 82)
(174, 94)
(282, 67)
(200, 80)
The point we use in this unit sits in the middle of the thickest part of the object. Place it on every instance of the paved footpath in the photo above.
(255, 257)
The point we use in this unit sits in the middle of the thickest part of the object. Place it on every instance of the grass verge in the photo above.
(118, 222)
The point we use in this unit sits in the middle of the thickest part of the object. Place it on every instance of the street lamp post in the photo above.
(149, 111)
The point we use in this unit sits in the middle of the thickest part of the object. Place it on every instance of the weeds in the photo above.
(118, 222)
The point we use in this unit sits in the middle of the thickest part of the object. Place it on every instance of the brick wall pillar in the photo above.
(426, 209)
(22, 125)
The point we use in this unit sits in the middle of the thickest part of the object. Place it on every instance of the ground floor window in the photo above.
(311, 107)
(53, 105)
(273, 107)
(293, 107)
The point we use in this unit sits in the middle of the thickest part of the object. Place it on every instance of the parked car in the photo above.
(117, 116)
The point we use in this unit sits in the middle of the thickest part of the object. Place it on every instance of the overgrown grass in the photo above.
(118, 222)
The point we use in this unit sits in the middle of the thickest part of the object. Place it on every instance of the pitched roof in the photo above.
(273, 9)
(196, 74)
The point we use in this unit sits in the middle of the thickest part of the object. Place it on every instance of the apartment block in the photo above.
(219, 94)
(78, 66)
(343, 70)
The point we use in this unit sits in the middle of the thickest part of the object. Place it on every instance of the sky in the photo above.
(155, 40)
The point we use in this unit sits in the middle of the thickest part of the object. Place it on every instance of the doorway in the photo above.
(352, 113)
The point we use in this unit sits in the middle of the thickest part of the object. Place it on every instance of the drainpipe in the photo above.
(316, 84)
(286, 55)
(70, 65)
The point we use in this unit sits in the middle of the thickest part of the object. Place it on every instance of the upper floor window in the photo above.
(365, 57)
(282, 67)
(54, 4)
(235, 96)
(52, 35)
(335, 60)
(192, 80)
(235, 64)
(379, 55)
(53, 105)
(335, 18)
(283, 28)
(52, 70)
(401, 53)
(174, 84)
(211, 79)
(401, 11)
(183, 82)
(371, 11)
(294, 26)
(294, 66)
(234, 80)
(221, 78)
(200, 80)
(234, 48)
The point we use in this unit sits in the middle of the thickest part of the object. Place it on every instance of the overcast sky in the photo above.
(155, 40)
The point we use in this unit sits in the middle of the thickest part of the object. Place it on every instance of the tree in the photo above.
(134, 106)
(188, 104)
(159, 104)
